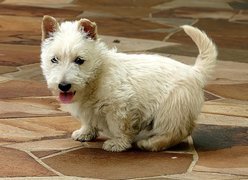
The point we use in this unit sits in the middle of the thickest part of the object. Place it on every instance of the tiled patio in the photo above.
(35, 134)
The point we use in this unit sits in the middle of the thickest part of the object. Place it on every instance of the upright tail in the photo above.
(206, 59)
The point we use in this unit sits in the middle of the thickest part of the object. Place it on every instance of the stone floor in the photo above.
(35, 134)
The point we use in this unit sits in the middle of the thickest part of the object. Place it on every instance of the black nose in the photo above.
(64, 87)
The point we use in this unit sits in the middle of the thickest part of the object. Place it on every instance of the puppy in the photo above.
(148, 101)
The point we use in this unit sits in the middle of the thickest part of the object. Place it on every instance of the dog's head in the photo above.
(69, 57)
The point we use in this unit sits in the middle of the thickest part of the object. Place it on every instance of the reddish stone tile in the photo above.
(41, 154)
(127, 8)
(20, 38)
(233, 37)
(234, 91)
(126, 27)
(211, 137)
(14, 163)
(225, 54)
(14, 88)
(234, 157)
(17, 55)
(97, 163)
(22, 10)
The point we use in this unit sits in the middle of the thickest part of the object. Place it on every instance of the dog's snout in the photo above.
(64, 87)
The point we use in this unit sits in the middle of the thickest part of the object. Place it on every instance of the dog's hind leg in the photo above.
(159, 142)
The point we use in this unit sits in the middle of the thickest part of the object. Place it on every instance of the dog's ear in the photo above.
(89, 28)
(49, 25)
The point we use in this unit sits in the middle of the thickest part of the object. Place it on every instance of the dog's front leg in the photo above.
(86, 132)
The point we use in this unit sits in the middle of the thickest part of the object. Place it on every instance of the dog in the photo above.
(136, 100)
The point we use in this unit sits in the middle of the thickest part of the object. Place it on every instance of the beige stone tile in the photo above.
(49, 177)
(30, 129)
(16, 163)
(47, 145)
(195, 13)
(29, 107)
(222, 120)
(225, 108)
(26, 72)
(132, 44)
(7, 69)
(109, 165)
(204, 175)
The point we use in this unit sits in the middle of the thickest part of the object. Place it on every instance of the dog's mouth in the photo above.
(66, 97)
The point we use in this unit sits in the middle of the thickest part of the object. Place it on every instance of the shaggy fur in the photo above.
(135, 99)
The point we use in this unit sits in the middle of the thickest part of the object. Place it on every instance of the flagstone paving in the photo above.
(35, 134)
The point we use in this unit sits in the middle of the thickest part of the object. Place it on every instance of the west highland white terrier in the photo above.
(148, 101)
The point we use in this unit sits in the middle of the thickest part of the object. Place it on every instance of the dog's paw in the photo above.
(116, 145)
(80, 135)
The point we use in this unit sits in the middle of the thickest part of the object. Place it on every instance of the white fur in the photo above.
(147, 100)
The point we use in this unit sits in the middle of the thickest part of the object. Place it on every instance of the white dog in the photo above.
(148, 101)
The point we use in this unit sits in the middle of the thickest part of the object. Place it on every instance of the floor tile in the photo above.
(41, 154)
(34, 11)
(234, 38)
(17, 55)
(47, 145)
(225, 108)
(216, 119)
(25, 89)
(92, 163)
(30, 129)
(209, 96)
(132, 28)
(195, 13)
(212, 137)
(205, 175)
(30, 107)
(44, 3)
(16, 163)
(193, 3)
(233, 91)
(27, 72)
(132, 44)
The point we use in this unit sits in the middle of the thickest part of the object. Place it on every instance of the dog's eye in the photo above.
(54, 60)
(79, 60)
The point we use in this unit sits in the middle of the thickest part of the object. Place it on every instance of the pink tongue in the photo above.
(66, 97)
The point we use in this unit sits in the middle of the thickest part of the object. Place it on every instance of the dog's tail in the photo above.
(206, 59)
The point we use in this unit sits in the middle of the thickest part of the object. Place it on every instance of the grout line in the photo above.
(195, 155)
(43, 164)
(63, 152)
(214, 95)
(179, 29)
(231, 115)
(212, 172)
